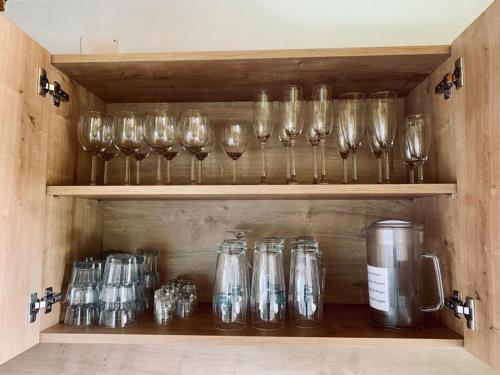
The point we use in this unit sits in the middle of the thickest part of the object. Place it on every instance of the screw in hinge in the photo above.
(54, 89)
(450, 80)
(35, 304)
(467, 309)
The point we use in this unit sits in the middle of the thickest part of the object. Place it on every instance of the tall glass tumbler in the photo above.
(268, 297)
(230, 298)
(305, 294)
(151, 275)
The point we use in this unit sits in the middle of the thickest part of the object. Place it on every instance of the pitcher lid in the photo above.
(395, 224)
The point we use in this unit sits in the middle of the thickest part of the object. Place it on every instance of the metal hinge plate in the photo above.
(467, 309)
(54, 89)
(450, 80)
(35, 304)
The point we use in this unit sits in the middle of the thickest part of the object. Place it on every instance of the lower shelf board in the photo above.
(342, 324)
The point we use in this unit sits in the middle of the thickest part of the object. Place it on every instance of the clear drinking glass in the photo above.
(165, 305)
(95, 134)
(160, 134)
(418, 136)
(268, 297)
(342, 147)
(82, 297)
(314, 139)
(285, 141)
(151, 274)
(383, 116)
(128, 137)
(170, 155)
(139, 155)
(304, 294)
(230, 298)
(322, 120)
(263, 124)
(378, 153)
(352, 116)
(106, 155)
(234, 142)
(404, 147)
(292, 120)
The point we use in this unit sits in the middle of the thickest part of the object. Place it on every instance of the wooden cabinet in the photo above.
(51, 218)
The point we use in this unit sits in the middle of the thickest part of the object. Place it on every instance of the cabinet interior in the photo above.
(186, 231)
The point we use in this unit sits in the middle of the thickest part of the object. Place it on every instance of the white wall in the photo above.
(189, 25)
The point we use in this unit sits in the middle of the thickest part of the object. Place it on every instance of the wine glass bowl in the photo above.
(128, 137)
(196, 138)
(234, 142)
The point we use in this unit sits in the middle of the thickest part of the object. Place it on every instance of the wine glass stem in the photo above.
(127, 170)
(106, 172)
(200, 168)
(323, 162)
(235, 171)
(387, 167)
(193, 179)
(420, 170)
(344, 162)
(354, 167)
(379, 167)
(287, 164)
(137, 172)
(169, 172)
(293, 175)
(315, 167)
(158, 170)
(411, 174)
(93, 170)
(263, 178)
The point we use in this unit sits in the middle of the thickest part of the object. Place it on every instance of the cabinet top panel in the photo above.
(235, 75)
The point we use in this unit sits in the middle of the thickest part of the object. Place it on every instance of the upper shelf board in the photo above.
(224, 192)
(235, 75)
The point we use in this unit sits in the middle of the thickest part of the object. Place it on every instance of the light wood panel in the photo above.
(468, 229)
(187, 235)
(24, 119)
(276, 192)
(234, 75)
(227, 358)
(340, 321)
(218, 168)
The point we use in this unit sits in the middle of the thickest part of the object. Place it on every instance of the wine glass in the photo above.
(171, 154)
(195, 132)
(285, 141)
(377, 152)
(263, 124)
(292, 120)
(109, 153)
(418, 137)
(95, 135)
(322, 120)
(352, 124)
(128, 137)
(234, 142)
(206, 149)
(314, 139)
(342, 146)
(383, 124)
(139, 155)
(406, 155)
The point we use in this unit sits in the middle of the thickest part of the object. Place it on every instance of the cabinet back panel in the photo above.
(187, 234)
(218, 168)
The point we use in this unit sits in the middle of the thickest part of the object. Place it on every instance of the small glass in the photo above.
(165, 305)
(268, 298)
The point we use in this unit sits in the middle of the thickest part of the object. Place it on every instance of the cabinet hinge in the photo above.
(450, 80)
(35, 304)
(467, 309)
(54, 89)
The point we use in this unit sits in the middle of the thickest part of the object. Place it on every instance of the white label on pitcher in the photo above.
(378, 288)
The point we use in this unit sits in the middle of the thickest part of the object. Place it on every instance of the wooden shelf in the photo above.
(235, 75)
(342, 323)
(225, 192)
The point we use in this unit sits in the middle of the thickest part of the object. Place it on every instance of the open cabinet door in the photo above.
(466, 147)
(23, 157)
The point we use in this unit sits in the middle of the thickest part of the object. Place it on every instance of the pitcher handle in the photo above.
(439, 282)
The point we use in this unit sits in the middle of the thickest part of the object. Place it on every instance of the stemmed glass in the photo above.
(139, 155)
(95, 134)
(285, 141)
(342, 147)
(418, 137)
(195, 133)
(128, 137)
(314, 139)
(378, 153)
(160, 135)
(263, 124)
(352, 124)
(205, 150)
(383, 124)
(322, 120)
(234, 142)
(292, 120)
(109, 153)
(406, 155)
(171, 154)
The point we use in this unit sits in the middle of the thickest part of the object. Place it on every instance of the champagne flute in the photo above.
(128, 137)
(342, 147)
(314, 139)
(285, 141)
(322, 120)
(418, 136)
(263, 124)
(95, 134)
(292, 120)
(352, 124)
(383, 124)
(160, 135)
(234, 142)
(139, 155)
(406, 154)
(377, 152)
(109, 153)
